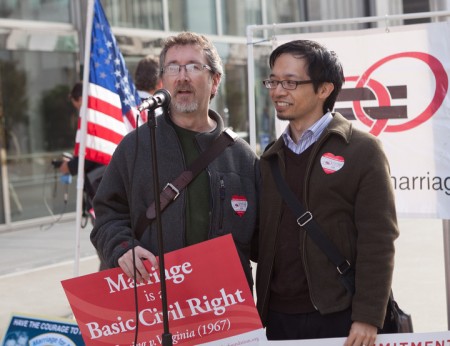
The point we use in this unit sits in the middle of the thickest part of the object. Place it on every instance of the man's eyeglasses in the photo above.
(174, 69)
(286, 84)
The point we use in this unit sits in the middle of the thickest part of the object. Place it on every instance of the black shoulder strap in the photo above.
(305, 219)
(269, 145)
(173, 189)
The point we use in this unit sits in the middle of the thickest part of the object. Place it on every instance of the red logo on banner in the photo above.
(367, 88)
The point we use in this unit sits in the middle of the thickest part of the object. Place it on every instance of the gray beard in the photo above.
(186, 107)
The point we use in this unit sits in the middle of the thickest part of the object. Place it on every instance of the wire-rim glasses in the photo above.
(194, 68)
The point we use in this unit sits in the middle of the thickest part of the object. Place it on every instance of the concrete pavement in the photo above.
(33, 263)
(35, 260)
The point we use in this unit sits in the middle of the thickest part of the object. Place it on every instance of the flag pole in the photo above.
(82, 134)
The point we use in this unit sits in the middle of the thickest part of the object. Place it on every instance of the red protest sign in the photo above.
(208, 299)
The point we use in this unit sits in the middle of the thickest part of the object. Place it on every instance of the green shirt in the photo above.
(197, 192)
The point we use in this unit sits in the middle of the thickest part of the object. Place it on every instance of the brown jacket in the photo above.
(354, 206)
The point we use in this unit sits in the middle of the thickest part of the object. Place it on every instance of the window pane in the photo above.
(231, 101)
(285, 11)
(193, 15)
(141, 14)
(298, 11)
(264, 110)
(43, 10)
(237, 14)
(414, 6)
(39, 124)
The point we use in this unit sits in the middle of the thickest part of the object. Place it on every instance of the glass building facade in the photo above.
(41, 50)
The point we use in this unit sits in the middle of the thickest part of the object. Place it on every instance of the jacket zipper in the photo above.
(222, 201)
(211, 198)
(211, 193)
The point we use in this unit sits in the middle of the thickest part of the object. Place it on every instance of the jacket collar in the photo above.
(204, 139)
(338, 126)
(212, 114)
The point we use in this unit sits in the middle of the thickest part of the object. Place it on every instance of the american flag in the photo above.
(112, 97)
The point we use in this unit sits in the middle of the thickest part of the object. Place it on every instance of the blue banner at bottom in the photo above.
(37, 331)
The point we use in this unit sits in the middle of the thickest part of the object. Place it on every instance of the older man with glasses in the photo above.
(221, 199)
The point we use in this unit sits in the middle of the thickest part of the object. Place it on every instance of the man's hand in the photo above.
(361, 334)
(126, 263)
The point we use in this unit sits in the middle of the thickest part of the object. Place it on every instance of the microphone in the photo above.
(160, 98)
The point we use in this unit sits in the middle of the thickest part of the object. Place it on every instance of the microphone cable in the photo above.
(133, 239)
(133, 233)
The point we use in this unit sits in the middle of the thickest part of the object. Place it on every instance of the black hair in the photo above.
(323, 65)
(77, 91)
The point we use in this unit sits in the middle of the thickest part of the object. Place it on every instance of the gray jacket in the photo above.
(126, 191)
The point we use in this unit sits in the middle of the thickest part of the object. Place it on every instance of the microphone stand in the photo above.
(166, 336)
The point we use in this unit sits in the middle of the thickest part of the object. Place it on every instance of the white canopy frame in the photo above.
(251, 29)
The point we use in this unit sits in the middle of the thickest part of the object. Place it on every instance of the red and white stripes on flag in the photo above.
(112, 97)
(106, 126)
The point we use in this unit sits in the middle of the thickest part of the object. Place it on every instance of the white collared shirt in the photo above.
(309, 137)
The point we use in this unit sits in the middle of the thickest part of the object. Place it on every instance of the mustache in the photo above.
(184, 87)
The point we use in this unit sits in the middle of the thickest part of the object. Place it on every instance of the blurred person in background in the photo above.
(146, 77)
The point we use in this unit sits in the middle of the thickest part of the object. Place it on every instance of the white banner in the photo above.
(407, 339)
(397, 88)
(401, 339)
